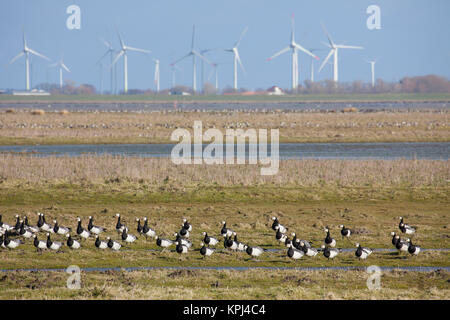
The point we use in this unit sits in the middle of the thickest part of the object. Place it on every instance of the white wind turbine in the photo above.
(194, 54)
(237, 59)
(215, 71)
(372, 67)
(60, 64)
(294, 47)
(156, 77)
(334, 51)
(110, 52)
(27, 51)
(174, 69)
(123, 52)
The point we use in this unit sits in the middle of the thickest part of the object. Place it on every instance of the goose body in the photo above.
(44, 225)
(277, 226)
(113, 245)
(59, 229)
(83, 233)
(32, 229)
(280, 236)
(230, 243)
(39, 244)
(187, 225)
(128, 237)
(294, 253)
(345, 232)
(100, 244)
(310, 252)
(93, 228)
(206, 251)
(4, 226)
(54, 245)
(226, 232)
(401, 245)
(10, 243)
(330, 253)
(413, 249)
(240, 246)
(71, 243)
(24, 232)
(180, 248)
(210, 240)
(329, 241)
(119, 226)
(147, 231)
(163, 243)
(184, 242)
(405, 228)
(254, 251)
(361, 252)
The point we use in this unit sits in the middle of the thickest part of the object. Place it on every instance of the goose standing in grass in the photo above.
(276, 225)
(100, 244)
(9, 243)
(180, 248)
(310, 252)
(229, 243)
(184, 232)
(60, 229)
(4, 226)
(147, 231)
(139, 226)
(113, 245)
(280, 236)
(345, 232)
(413, 249)
(330, 253)
(94, 229)
(184, 242)
(296, 242)
(329, 241)
(401, 244)
(33, 229)
(405, 228)
(211, 241)
(163, 243)
(226, 231)
(71, 243)
(361, 252)
(129, 238)
(43, 225)
(83, 233)
(394, 239)
(294, 253)
(39, 244)
(206, 251)
(18, 223)
(24, 232)
(254, 251)
(187, 225)
(119, 226)
(54, 245)
(240, 245)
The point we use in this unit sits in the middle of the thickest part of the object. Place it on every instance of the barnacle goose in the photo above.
(94, 229)
(330, 253)
(39, 244)
(100, 244)
(413, 249)
(113, 245)
(345, 232)
(280, 236)
(54, 245)
(139, 227)
(401, 244)
(147, 231)
(296, 241)
(83, 233)
(210, 240)
(4, 226)
(23, 232)
(184, 242)
(206, 251)
(71, 243)
(10, 243)
(310, 252)
(394, 239)
(18, 223)
(180, 248)
(253, 251)
(43, 225)
(59, 229)
(183, 232)
(361, 252)
(240, 245)
(329, 241)
(163, 243)
(277, 226)
(187, 225)
(294, 253)
(405, 228)
(130, 238)
(119, 226)
(28, 227)
(226, 231)
(230, 243)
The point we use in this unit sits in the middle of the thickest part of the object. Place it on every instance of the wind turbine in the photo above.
(237, 59)
(194, 54)
(215, 71)
(334, 51)
(372, 67)
(174, 69)
(294, 47)
(27, 51)
(110, 52)
(61, 66)
(156, 77)
(312, 64)
(123, 52)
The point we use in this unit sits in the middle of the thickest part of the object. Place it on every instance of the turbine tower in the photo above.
(237, 59)
(110, 52)
(156, 77)
(194, 54)
(27, 51)
(334, 51)
(312, 64)
(372, 67)
(61, 66)
(123, 52)
(294, 47)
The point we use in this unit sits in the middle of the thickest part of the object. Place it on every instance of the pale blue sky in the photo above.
(413, 39)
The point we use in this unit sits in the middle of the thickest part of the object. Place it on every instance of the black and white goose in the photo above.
(401, 244)
(276, 225)
(361, 252)
(93, 228)
(240, 245)
(4, 226)
(43, 225)
(113, 245)
(206, 251)
(83, 233)
(18, 223)
(345, 232)
(296, 241)
(60, 229)
(229, 243)
(211, 241)
(294, 253)
(330, 253)
(184, 242)
(9, 243)
(139, 226)
(394, 239)
(147, 231)
(413, 249)
(129, 238)
(180, 248)
(119, 226)
(39, 244)
(184, 232)
(24, 232)
(53, 245)
(280, 236)
(310, 252)
(405, 228)
(100, 244)
(226, 232)
(33, 229)
(187, 225)
(71, 243)
(329, 241)
(163, 243)
(254, 251)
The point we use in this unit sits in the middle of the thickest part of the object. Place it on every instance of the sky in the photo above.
(413, 39)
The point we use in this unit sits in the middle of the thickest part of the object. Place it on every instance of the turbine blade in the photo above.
(117, 57)
(292, 28)
(38, 54)
(106, 43)
(184, 57)
(122, 44)
(240, 38)
(306, 51)
(16, 57)
(53, 65)
(239, 60)
(103, 56)
(64, 67)
(328, 36)
(278, 53)
(138, 50)
(341, 46)
(193, 37)
(326, 59)
(201, 56)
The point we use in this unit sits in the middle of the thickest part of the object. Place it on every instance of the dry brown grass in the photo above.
(157, 126)
(38, 112)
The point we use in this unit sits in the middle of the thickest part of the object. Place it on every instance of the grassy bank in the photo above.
(22, 127)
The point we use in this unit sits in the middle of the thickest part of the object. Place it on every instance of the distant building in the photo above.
(34, 92)
(275, 91)
(179, 93)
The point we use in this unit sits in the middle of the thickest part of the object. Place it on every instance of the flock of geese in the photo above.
(11, 236)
